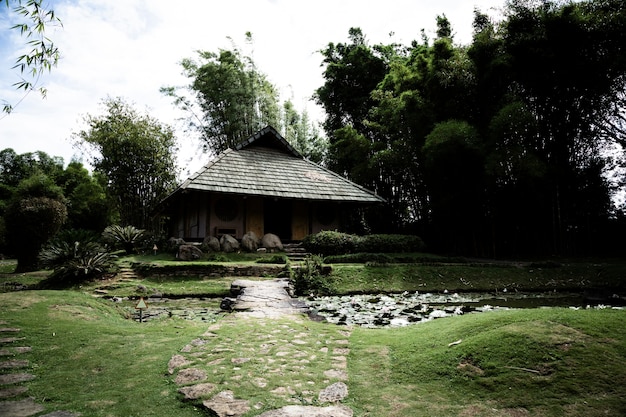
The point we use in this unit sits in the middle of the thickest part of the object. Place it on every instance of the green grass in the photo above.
(359, 278)
(88, 358)
(542, 362)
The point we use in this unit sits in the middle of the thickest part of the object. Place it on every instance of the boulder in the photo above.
(271, 242)
(229, 244)
(211, 244)
(250, 242)
(174, 243)
(224, 404)
(189, 253)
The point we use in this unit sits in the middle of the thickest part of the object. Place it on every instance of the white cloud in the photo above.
(131, 48)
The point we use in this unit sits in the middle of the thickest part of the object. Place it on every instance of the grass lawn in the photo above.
(540, 362)
(89, 357)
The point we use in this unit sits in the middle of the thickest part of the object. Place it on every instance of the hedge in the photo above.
(328, 243)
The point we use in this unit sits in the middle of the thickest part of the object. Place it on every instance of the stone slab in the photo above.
(14, 364)
(15, 378)
(309, 411)
(12, 392)
(22, 408)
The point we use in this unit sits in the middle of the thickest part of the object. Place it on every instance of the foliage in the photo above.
(234, 97)
(337, 243)
(230, 99)
(35, 18)
(136, 155)
(126, 237)
(35, 213)
(76, 261)
(329, 243)
(87, 203)
(496, 148)
(308, 278)
(378, 243)
(299, 131)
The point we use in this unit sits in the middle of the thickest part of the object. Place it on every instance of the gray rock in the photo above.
(211, 244)
(309, 411)
(333, 393)
(22, 408)
(271, 242)
(229, 244)
(190, 375)
(194, 392)
(62, 414)
(177, 361)
(174, 243)
(250, 242)
(224, 404)
(189, 253)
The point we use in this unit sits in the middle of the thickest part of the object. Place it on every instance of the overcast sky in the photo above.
(130, 48)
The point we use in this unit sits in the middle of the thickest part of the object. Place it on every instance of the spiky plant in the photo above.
(125, 236)
(76, 262)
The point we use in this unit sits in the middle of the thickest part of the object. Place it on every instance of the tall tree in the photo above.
(35, 213)
(136, 154)
(88, 207)
(14, 168)
(235, 99)
(302, 134)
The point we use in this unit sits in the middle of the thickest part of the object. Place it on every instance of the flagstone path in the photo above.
(209, 367)
(14, 401)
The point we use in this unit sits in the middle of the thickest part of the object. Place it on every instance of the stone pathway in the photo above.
(266, 298)
(280, 356)
(14, 401)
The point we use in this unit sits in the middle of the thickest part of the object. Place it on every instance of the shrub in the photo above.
(76, 262)
(329, 243)
(125, 236)
(384, 243)
(309, 280)
(359, 258)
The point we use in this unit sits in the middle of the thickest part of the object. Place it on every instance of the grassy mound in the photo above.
(547, 362)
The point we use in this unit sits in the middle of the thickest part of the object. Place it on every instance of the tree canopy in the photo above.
(229, 99)
(135, 154)
(497, 147)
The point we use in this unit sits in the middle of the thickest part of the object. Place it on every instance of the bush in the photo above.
(359, 258)
(329, 243)
(309, 280)
(76, 262)
(125, 236)
(389, 244)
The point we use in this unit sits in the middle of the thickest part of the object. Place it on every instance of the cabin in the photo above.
(262, 185)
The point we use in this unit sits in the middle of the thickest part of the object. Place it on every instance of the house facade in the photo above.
(265, 186)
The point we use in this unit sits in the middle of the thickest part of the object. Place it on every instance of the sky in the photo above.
(131, 48)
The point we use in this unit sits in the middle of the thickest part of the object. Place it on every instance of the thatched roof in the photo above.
(266, 165)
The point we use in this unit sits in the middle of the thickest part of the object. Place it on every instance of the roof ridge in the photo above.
(261, 133)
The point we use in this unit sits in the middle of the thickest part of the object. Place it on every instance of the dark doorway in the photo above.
(277, 220)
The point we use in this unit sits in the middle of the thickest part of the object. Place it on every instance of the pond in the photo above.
(407, 308)
(381, 310)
